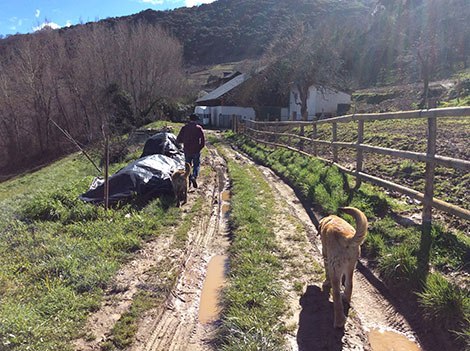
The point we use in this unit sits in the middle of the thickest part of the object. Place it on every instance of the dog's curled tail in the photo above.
(361, 224)
(187, 169)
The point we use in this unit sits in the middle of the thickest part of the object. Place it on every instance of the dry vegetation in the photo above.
(115, 76)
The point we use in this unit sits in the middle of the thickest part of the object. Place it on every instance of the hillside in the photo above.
(384, 37)
(231, 30)
(85, 69)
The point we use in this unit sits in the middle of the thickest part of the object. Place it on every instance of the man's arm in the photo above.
(179, 138)
(202, 140)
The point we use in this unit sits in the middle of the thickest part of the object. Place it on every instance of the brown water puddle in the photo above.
(209, 308)
(225, 209)
(383, 340)
(225, 195)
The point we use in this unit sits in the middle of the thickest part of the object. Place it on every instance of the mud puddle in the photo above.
(209, 307)
(225, 196)
(388, 340)
(186, 323)
(370, 307)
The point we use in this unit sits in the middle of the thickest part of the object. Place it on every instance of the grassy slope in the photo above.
(57, 253)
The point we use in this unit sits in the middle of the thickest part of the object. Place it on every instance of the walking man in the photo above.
(194, 140)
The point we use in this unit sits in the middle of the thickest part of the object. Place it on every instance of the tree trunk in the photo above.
(303, 95)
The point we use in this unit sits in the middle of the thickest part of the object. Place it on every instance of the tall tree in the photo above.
(308, 59)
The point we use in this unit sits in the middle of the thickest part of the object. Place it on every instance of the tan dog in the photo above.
(341, 249)
(180, 180)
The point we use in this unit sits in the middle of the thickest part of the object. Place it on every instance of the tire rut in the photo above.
(371, 307)
(177, 327)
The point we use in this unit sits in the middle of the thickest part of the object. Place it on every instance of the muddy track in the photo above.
(372, 306)
(177, 326)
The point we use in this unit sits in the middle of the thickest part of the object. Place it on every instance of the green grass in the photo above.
(444, 302)
(57, 254)
(394, 248)
(253, 301)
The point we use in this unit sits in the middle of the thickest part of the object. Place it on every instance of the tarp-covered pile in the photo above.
(149, 176)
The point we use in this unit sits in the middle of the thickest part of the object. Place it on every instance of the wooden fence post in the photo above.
(425, 245)
(314, 137)
(360, 154)
(276, 130)
(106, 173)
(289, 138)
(335, 139)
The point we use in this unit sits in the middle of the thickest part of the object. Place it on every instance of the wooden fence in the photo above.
(260, 131)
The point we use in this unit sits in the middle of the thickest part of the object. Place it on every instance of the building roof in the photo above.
(224, 88)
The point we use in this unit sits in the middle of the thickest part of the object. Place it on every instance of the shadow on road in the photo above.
(316, 330)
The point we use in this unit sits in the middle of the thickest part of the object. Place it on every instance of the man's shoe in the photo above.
(194, 183)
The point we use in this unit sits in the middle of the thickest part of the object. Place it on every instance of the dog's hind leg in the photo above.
(327, 283)
(177, 197)
(348, 285)
(339, 318)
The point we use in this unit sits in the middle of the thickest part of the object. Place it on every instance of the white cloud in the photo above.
(153, 2)
(191, 3)
(20, 22)
(68, 24)
(38, 12)
(51, 25)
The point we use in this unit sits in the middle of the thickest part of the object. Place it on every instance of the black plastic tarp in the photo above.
(149, 176)
(163, 144)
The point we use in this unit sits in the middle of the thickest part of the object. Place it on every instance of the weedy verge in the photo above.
(253, 300)
(392, 248)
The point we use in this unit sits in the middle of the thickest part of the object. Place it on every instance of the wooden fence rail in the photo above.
(255, 130)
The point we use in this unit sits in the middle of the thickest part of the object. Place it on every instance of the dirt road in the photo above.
(176, 324)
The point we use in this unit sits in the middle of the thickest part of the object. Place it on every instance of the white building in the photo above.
(221, 116)
(212, 110)
(319, 102)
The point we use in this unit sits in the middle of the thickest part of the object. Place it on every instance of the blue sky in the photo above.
(26, 16)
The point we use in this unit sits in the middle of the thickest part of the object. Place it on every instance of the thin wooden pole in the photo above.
(68, 136)
(106, 173)
(425, 245)
(430, 167)
(314, 137)
(335, 138)
(360, 154)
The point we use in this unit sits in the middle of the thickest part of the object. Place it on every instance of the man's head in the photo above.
(193, 117)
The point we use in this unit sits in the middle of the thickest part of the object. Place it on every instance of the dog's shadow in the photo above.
(316, 330)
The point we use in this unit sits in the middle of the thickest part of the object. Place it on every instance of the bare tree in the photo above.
(308, 58)
(66, 78)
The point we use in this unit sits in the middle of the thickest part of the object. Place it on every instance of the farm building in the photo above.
(211, 107)
(320, 103)
(219, 106)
